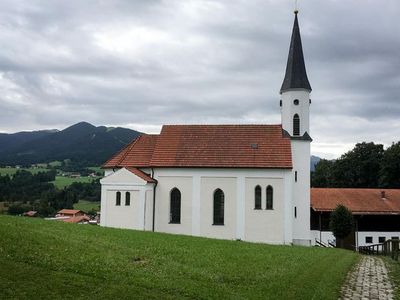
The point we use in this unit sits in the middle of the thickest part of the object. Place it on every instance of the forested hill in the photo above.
(81, 142)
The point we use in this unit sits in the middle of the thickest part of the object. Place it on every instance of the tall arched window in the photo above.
(118, 199)
(270, 197)
(296, 124)
(219, 203)
(257, 197)
(175, 207)
(127, 198)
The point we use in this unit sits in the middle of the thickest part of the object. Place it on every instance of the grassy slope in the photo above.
(394, 273)
(45, 259)
(87, 205)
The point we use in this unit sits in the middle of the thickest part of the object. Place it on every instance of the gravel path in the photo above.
(368, 280)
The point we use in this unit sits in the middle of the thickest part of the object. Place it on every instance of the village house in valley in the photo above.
(246, 182)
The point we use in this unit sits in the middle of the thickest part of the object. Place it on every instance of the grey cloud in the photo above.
(160, 62)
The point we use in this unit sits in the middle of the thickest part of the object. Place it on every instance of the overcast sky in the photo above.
(144, 63)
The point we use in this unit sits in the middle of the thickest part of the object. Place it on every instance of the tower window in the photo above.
(280, 103)
(295, 212)
(175, 207)
(296, 101)
(295, 176)
(257, 197)
(127, 198)
(270, 197)
(296, 125)
(219, 207)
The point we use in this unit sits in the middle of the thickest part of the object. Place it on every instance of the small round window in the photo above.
(296, 102)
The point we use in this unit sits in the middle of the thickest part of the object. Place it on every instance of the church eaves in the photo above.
(296, 75)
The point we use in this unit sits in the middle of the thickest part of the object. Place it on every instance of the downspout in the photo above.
(154, 198)
(320, 227)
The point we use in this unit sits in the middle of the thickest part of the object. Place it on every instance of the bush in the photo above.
(341, 223)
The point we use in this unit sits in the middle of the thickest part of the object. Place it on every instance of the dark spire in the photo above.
(296, 75)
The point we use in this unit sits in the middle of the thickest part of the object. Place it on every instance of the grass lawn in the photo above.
(62, 181)
(12, 171)
(53, 260)
(87, 205)
(394, 273)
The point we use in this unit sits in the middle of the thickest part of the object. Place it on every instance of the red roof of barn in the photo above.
(238, 146)
(359, 201)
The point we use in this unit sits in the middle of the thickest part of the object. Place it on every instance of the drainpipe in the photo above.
(320, 227)
(154, 199)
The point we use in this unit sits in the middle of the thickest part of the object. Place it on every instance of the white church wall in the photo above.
(164, 187)
(264, 225)
(301, 192)
(148, 217)
(197, 186)
(207, 189)
(233, 183)
(123, 216)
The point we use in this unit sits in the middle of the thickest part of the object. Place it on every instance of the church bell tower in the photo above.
(295, 111)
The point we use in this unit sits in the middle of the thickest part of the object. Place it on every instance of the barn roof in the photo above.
(359, 201)
(225, 146)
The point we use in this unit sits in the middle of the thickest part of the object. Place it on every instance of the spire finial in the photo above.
(296, 8)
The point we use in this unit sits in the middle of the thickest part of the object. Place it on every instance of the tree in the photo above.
(359, 168)
(341, 223)
(322, 177)
(390, 167)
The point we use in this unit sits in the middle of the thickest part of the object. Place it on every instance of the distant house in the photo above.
(376, 214)
(78, 219)
(31, 213)
(71, 216)
(75, 175)
(70, 213)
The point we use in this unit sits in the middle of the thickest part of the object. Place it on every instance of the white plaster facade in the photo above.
(242, 220)
(360, 237)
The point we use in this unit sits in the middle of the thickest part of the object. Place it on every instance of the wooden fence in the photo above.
(388, 248)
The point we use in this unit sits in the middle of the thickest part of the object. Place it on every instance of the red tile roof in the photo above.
(359, 201)
(141, 174)
(69, 211)
(246, 146)
(138, 153)
(77, 219)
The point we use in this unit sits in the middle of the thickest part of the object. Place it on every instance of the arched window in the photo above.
(118, 199)
(127, 198)
(296, 124)
(219, 203)
(175, 207)
(270, 197)
(257, 197)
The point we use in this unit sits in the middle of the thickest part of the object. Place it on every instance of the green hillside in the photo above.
(53, 260)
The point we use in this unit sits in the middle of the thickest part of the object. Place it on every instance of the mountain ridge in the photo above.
(79, 142)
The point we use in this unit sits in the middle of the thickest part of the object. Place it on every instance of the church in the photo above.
(237, 182)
